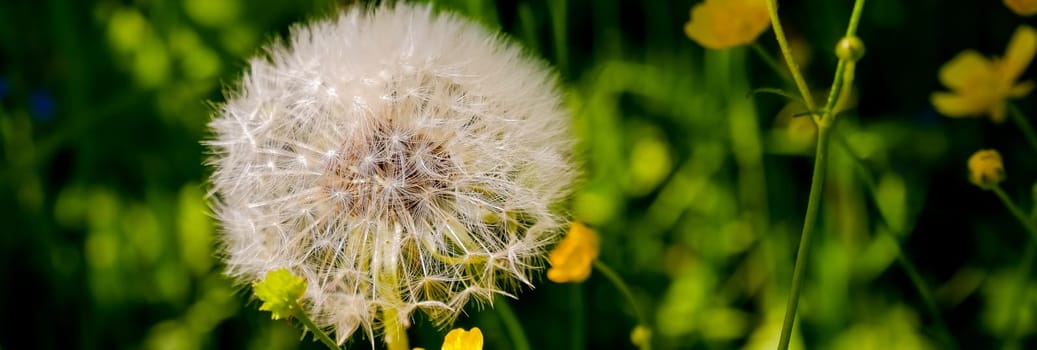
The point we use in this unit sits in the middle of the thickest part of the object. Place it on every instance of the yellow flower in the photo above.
(980, 86)
(280, 292)
(571, 260)
(986, 169)
(460, 339)
(721, 24)
(1022, 7)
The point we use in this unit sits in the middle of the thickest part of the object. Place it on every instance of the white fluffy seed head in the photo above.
(396, 158)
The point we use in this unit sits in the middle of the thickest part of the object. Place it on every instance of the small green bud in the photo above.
(280, 292)
(850, 48)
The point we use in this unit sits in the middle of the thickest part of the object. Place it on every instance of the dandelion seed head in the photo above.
(397, 159)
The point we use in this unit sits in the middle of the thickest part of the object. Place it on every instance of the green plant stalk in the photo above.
(1015, 329)
(841, 82)
(1020, 120)
(613, 277)
(512, 324)
(577, 340)
(813, 206)
(1019, 215)
(786, 51)
(317, 332)
(771, 62)
(1015, 334)
(905, 263)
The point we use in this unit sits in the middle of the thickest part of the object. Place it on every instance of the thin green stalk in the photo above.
(771, 62)
(786, 51)
(905, 263)
(577, 317)
(855, 18)
(842, 81)
(1018, 213)
(617, 281)
(1020, 120)
(813, 206)
(1015, 331)
(512, 324)
(317, 331)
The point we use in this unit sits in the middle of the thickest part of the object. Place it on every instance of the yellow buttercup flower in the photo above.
(280, 292)
(460, 339)
(571, 260)
(981, 86)
(986, 169)
(1022, 7)
(721, 24)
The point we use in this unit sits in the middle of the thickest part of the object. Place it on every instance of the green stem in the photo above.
(771, 62)
(855, 18)
(786, 51)
(1027, 261)
(617, 281)
(577, 317)
(512, 324)
(813, 206)
(905, 263)
(317, 331)
(1019, 215)
(1025, 269)
(842, 81)
(1020, 120)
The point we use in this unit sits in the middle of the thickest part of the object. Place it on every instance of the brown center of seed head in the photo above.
(391, 172)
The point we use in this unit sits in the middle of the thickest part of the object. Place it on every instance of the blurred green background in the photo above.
(697, 188)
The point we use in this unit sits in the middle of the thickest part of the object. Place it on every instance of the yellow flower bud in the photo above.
(986, 169)
(571, 260)
(280, 292)
(641, 336)
(850, 48)
(460, 339)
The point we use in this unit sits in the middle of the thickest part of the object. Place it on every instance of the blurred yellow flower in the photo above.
(571, 260)
(1022, 7)
(721, 24)
(980, 86)
(280, 292)
(986, 169)
(460, 339)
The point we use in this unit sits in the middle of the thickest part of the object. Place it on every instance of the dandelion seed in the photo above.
(396, 159)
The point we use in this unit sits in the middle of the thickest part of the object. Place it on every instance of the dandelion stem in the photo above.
(786, 51)
(1020, 120)
(317, 331)
(613, 277)
(512, 324)
(1019, 215)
